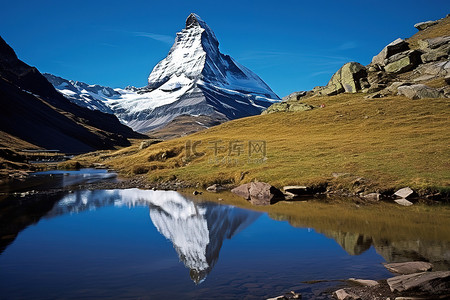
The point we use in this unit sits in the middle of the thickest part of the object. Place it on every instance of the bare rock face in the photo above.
(432, 283)
(346, 79)
(397, 46)
(411, 267)
(419, 91)
(402, 62)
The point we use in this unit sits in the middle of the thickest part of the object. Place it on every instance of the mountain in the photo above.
(194, 79)
(33, 111)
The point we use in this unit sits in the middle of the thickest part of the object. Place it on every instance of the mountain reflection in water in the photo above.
(196, 230)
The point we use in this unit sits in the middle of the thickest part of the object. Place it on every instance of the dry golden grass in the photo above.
(391, 141)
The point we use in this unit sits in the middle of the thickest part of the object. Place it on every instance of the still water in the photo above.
(144, 244)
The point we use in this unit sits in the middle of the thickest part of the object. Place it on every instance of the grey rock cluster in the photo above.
(403, 67)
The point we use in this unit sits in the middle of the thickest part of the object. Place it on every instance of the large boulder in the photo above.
(432, 283)
(258, 193)
(409, 267)
(287, 106)
(397, 46)
(402, 62)
(419, 91)
(347, 79)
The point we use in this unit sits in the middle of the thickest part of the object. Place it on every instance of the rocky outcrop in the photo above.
(420, 91)
(294, 96)
(413, 68)
(288, 106)
(350, 78)
(397, 46)
(258, 193)
(425, 25)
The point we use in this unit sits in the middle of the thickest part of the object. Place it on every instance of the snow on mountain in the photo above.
(196, 230)
(194, 79)
(94, 97)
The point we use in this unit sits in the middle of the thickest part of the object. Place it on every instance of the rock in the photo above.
(295, 96)
(409, 267)
(404, 192)
(346, 79)
(434, 42)
(258, 193)
(262, 193)
(402, 62)
(397, 46)
(287, 107)
(215, 188)
(419, 91)
(372, 197)
(424, 25)
(344, 294)
(403, 202)
(296, 190)
(364, 282)
(290, 295)
(148, 143)
(242, 191)
(433, 283)
(441, 53)
(437, 69)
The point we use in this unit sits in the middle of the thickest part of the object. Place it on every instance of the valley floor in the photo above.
(346, 144)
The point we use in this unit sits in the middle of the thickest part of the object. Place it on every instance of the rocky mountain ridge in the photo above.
(33, 111)
(417, 67)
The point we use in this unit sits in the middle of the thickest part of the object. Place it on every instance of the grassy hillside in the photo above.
(390, 142)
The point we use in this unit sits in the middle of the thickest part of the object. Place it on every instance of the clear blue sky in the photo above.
(292, 45)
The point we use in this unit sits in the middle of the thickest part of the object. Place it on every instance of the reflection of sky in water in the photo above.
(103, 243)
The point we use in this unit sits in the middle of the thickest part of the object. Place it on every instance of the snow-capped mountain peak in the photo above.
(195, 78)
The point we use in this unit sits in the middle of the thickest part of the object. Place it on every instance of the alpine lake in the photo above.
(62, 243)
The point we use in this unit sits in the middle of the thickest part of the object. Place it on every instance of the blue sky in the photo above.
(291, 45)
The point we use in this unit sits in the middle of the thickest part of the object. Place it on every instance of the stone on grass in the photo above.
(419, 91)
(410, 267)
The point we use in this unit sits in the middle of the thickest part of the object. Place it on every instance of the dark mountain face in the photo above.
(34, 111)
